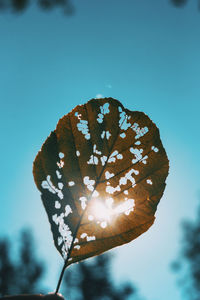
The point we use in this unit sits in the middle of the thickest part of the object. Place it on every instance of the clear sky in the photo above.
(143, 53)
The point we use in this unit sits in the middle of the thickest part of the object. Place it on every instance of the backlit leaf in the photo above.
(101, 174)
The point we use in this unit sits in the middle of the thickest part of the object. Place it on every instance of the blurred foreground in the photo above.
(92, 279)
(86, 280)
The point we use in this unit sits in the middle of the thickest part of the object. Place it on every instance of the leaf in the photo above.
(101, 174)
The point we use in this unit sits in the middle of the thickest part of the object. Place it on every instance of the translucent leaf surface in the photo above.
(101, 174)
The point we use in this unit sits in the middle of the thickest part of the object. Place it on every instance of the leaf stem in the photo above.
(60, 278)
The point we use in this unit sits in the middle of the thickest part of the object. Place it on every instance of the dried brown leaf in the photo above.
(101, 174)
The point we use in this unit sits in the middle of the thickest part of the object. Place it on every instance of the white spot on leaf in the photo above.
(128, 176)
(93, 160)
(83, 235)
(83, 127)
(90, 238)
(108, 175)
(95, 150)
(103, 160)
(139, 131)
(149, 181)
(115, 155)
(125, 207)
(110, 189)
(123, 121)
(104, 224)
(95, 194)
(77, 247)
(60, 164)
(59, 176)
(68, 210)
(104, 109)
(78, 115)
(137, 153)
(89, 183)
(123, 135)
(60, 185)
(144, 159)
(119, 156)
(47, 184)
(61, 155)
(90, 218)
(105, 134)
(83, 202)
(57, 205)
(60, 240)
(154, 149)
(65, 233)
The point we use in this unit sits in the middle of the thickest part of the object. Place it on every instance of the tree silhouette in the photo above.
(7, 269)
(179, 3)
(22, 275)
(188, 263)
(87, 280)
(18, 6)
(92, 280)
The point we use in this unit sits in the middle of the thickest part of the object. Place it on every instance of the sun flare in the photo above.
(100, 211)
(104, 211)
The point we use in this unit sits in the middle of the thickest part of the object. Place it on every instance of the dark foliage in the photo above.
(22, 274)
(179, 3)
(7, 269)
(66, 5)
(87, 280)
(19, 6)
(92, 281)
(188, 264)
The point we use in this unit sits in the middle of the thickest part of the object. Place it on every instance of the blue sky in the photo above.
(143, 53)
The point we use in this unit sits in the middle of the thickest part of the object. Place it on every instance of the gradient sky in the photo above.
(143, 53)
